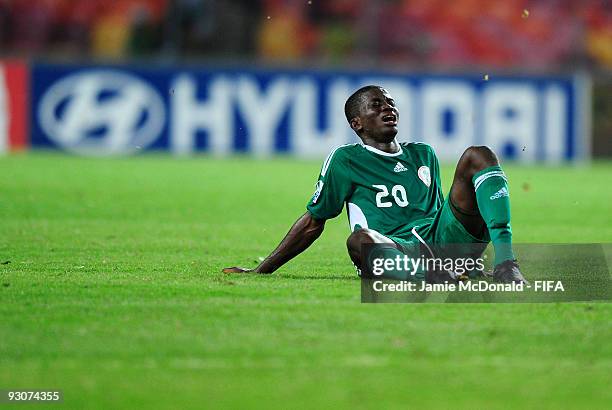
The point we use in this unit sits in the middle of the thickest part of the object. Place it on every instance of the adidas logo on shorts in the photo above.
(399, 168)
(502, 192)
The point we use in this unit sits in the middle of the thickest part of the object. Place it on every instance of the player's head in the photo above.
(371, 113)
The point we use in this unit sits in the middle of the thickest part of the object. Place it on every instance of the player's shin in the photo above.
(493, 197)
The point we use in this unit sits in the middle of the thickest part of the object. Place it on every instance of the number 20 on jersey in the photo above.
(398, 192)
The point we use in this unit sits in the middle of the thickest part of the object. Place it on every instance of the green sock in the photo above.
(493, 199)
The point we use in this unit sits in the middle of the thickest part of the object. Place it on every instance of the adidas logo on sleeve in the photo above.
(399, 167)
(501, 193)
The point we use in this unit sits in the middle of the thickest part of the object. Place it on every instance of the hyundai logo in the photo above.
(102, 112)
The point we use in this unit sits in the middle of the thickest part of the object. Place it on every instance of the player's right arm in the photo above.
(301, 235)
(332, 189)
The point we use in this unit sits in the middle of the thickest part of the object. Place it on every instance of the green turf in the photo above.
(114, 294)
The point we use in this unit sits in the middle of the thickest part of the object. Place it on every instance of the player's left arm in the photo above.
(332, 189)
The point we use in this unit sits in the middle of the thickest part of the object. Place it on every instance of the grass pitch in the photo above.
(110, 290)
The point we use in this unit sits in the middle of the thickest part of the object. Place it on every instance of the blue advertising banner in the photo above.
(119, 110)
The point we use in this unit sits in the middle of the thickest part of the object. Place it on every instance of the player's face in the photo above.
(379, 116)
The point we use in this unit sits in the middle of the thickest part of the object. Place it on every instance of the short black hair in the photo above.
(353, 103)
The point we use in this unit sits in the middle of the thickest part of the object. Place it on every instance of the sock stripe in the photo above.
(502, 176)
(486, 176)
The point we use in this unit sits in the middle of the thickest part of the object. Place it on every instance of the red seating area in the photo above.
(536, 34)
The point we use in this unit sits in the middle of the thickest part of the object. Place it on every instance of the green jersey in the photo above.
(389, 193)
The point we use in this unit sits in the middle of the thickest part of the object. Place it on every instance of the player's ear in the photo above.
(356, 124)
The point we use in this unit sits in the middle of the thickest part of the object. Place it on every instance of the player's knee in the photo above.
(361, 237)
(357, 239)
(479, 157)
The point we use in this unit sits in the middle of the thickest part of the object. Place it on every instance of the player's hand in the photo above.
(238, 269)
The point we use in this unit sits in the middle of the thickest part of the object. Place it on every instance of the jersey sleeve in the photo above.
(332, 189)
(436, 171)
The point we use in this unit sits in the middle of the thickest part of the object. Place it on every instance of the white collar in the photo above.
(386, 154)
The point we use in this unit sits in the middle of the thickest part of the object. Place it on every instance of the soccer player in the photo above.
(393, 195)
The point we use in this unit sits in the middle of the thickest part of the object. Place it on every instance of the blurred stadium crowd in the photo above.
(536, 34)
